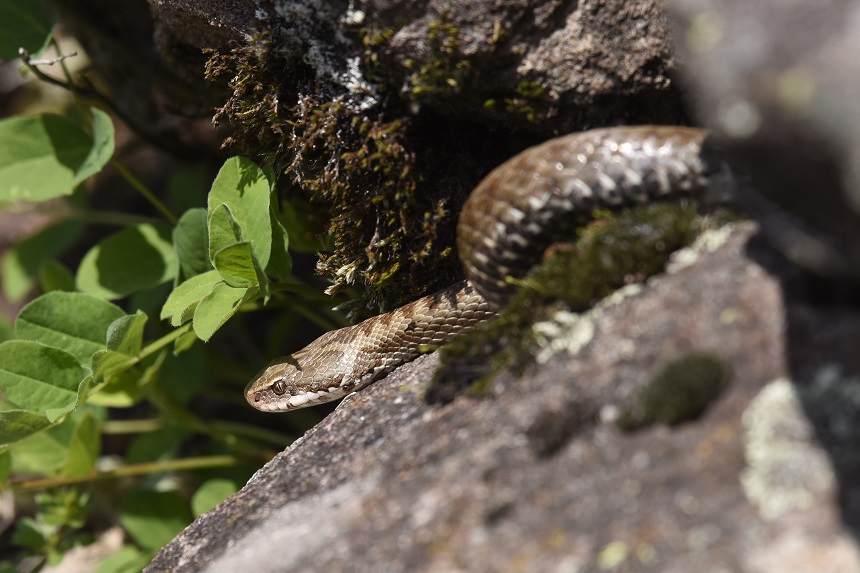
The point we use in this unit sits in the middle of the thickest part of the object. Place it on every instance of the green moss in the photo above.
(523, 103)
(680, 392)
(611, 252)
(356, 167)
(444, 70)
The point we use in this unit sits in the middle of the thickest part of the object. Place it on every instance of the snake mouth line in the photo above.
(301, 399)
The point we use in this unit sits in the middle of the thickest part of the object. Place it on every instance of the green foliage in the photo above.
(134, 259)
(153, 518)
(211, 493)
(55, 527)
(86, 356)
(23, 24)
(34, 258)
(47, 156)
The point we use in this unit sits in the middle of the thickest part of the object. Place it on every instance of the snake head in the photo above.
(311, 376)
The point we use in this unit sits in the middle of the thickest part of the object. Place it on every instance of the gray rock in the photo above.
(538, 476)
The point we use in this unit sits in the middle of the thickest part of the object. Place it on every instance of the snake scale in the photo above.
(509, 219)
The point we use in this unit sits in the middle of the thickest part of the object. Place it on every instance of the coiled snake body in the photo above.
(510, 218)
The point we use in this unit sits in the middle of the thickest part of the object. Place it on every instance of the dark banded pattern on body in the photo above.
(506, 224)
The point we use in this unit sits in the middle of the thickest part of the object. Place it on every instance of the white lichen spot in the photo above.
(353, 17)
(785, 467)
(707, 242)
(619, 295)
(364, 93)
(564, 331)
(569, 331)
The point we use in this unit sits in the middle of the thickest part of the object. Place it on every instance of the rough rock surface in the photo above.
(542, 66)
(537, 476)
(592, 62)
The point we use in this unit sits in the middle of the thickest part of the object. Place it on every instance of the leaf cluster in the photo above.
(94, 388)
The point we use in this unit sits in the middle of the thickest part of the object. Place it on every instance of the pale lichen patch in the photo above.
(785, 467)
(708, 242)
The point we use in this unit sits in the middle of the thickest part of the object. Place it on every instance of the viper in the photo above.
(507, 222)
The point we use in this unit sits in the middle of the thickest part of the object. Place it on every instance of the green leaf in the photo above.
(153, 518)
(184, 343)
(23, 24)
(6, 331)
(217, 307)
(39, 378)
(83, 446)
(281, 264)
(102, 147)
(69, 448)
(55, 414)
(107, 364)
(5, 466)
(162, 444)
(180, 305)
(47, 156)
(211, 493)
(223, 230)
(191, 243)
(54, 275)
(237, 266)
(123, 390)
(125, 334)
(126, 560)
(31, 534)
(21, 264)
(135, 259)
(74, 322)
(243, 187)
(16, 425)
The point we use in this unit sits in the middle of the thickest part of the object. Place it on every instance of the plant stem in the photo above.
(131, 426)
(202, 462)
(157, 345)
(143, 190)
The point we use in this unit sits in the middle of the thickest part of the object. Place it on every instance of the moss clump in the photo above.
(444, 70)
(680, 392)
(611, 252)
(356, 167)
(527, 95)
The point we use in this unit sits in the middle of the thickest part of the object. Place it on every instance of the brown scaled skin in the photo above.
(507, 222)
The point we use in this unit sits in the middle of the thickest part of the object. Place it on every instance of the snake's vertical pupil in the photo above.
(279, 387)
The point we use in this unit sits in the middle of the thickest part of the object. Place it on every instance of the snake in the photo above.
(509, 219)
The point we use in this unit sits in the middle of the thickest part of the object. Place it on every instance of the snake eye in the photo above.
(279, 387)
